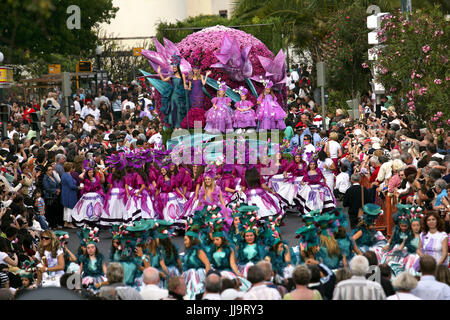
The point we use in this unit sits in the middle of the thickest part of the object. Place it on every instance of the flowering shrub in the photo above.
(415, 64)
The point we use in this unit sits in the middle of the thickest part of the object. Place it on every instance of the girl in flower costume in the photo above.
(270, 114)
(249, 250)
(89, 209)
(234, 233)
(308, 242)
(169, 258)
(365, 235)
(329, 252)
(244, 116)
(93, 263)
(195, 260)
(279, 254)
(70, 260)
(122, 251)
(27, 274)
(402, 255)
(140, 231)
(219, 117)
(345, 242)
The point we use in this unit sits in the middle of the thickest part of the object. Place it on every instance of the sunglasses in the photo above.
(45, 238)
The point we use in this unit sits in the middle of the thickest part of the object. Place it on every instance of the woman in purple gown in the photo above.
(90, 208)
(228, 182)
(210, 194)
(315, 193)
(166, 197)
(196, 97)
(258, 194)
(116, 198)
(288, 180)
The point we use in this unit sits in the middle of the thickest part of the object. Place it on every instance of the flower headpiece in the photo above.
(242, 91)
(307, 237)
(175, 60)
(89, 165)
(90, 236)
(266, 83)
(416, 214)
(119, 231)
(28, 269)
(61, 235)
(222, 85)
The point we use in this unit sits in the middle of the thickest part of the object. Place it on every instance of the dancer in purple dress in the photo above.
(258, 194)
(218, 117)
(116, 198)
(90, 208)
(228, 182)
(315, 193)
(244, 116)
(198, 107)
(193, 181)
(167, 204)
(210, 194)
(270, 114)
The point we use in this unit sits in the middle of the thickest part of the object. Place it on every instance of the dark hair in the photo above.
(385, 270)
(440, 224)
(372, 257)
(315, 272)
(11, 231)
(323, 155)
(427, 265)
(252, 177)
(228, 284)
(344, 168)
(169, 248)
(255, 274)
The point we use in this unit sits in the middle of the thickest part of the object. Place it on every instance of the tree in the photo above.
(35, 29)
(413, 65)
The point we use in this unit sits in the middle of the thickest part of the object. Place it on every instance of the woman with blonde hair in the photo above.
(50, 258)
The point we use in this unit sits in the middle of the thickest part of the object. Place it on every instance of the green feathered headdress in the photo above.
(163, 229)
(307, 236)
(61, 235)
(90, 236)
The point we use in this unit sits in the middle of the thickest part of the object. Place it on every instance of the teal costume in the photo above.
(250, 253)
(190, 259)
(221, 259)
(346, 247)
(323, 257)
(278, 262)
(174, 103)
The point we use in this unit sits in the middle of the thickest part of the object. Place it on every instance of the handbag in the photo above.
(361, 210)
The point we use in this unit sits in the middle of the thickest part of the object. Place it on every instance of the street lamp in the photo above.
(98, 52)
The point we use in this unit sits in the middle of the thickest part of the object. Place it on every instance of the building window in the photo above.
(223, 13)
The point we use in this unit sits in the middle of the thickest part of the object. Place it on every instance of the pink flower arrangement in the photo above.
(437, 81)
(426, 48)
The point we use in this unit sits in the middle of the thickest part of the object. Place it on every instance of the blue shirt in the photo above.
(430, 289)
(441, 195)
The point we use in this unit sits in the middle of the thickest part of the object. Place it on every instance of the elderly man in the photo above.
(116, 288)
(59, 166)
(177, 288)
(357, 287)
(151, 291)
(213, 285)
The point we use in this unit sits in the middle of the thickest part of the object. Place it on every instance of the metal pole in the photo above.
(67, 108)
(322, 93)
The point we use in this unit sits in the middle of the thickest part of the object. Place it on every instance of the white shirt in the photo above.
(128, 103)
(147, 102)
(403, 296)
(342, 182)
(11, 134)
(51, 262)
(3, 256)
(333, 148)
(328, 162)
(153, 292)
(157, 140)
(96, 113)
(262, 292)
(430, 289)
(77, 106)
(85, 111)
(308, 149)
(212, 296)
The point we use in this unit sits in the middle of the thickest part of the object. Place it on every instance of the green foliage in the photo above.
(269, 34)
(36, 29)
(414, 64)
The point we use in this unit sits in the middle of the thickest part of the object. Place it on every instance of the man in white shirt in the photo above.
(428, 288)
(342, 182)
(129, 103)
(76, 104)
(259, 290)
(150, 290)
(85, 111)
(11, 130)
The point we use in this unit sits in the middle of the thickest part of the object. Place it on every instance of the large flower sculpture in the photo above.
(275, 70)
(162, 57)
(234, 60)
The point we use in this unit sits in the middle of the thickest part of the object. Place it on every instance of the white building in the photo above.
(138, 18)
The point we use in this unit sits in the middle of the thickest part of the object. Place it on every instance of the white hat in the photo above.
(78, 112)
(231, 294)
(376, 146)
(109, 82)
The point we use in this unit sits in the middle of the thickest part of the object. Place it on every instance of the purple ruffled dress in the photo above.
(170, 205)
(116, 199)
(90, 206)
(244, 119)
(219, 120)
(270, 114)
